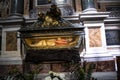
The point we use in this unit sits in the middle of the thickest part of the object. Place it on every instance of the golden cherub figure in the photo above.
(41, 16)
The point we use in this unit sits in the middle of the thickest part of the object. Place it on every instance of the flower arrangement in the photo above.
(55, 76)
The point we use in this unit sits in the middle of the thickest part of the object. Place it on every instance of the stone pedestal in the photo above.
(95, 35)
(10, 52)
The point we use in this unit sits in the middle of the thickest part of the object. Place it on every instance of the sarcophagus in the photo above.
(51, 39)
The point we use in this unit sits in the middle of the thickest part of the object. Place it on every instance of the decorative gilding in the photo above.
(52, 42)
(50, 36)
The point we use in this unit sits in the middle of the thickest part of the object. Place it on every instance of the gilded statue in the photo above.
(41, 16)
(51, 18)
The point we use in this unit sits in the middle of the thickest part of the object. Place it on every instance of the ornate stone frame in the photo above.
(4, 45)
(100, 49)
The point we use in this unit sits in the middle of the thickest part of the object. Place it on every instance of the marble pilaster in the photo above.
(95, 35)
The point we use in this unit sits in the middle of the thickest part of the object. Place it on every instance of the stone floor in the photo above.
(105, 75)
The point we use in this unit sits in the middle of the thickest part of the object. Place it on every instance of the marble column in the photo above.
(88, 6)
(17, 7)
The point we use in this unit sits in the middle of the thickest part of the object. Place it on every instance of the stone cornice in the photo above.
(12, 19)
(94, 16)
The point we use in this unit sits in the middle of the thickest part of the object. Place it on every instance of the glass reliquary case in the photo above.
(52, 40)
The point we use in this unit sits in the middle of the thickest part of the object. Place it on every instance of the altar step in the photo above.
(96, 75)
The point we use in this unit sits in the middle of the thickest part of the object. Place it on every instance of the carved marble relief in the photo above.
(11, 41)
(95, 37)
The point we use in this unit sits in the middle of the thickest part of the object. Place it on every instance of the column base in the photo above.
(90, 10)
(15, 15)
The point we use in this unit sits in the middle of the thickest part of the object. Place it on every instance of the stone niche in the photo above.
(65, 6)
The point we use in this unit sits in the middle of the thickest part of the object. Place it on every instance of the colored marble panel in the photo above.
(113, 37)
(103, 66)
(11, 41)
(95, 37)
(6, 69)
